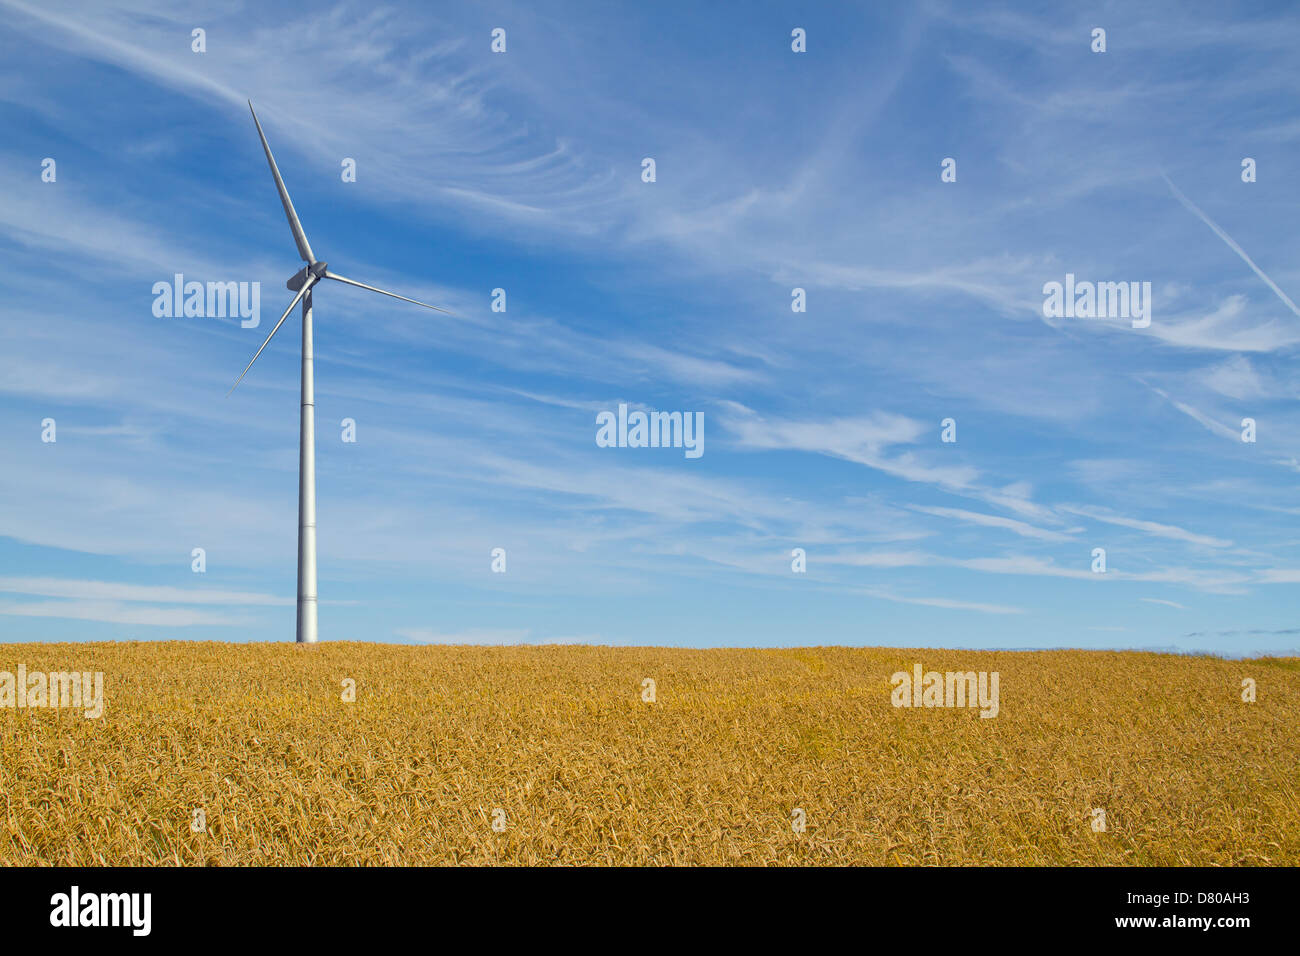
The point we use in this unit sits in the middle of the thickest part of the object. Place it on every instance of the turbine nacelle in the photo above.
(299, 278)
(315, 271)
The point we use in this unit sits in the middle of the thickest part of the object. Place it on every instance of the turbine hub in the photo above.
(296, 280)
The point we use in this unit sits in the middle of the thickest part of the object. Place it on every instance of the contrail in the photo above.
(1178, 193)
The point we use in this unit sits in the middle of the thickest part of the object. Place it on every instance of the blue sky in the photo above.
(774, 170)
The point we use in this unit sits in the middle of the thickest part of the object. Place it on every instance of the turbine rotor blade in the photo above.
(361, 285)
(299, 237)
(306, 286)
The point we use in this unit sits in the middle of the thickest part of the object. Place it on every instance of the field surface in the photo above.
(558, 748)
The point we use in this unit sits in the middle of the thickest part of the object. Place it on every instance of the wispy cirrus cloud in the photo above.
(995, 521)
(1172, 532)
(112, 612)
(942, 602)
(1166, 603)
(113, 591)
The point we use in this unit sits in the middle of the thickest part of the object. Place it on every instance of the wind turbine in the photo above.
(301, 283)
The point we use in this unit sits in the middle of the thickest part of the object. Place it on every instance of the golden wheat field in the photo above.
(559, 738)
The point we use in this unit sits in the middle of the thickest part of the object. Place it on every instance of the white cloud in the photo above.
(994, 521)
(1235, 378)
(110, 591)
(1150, 527)
(948, 603)
(114, 613)
(1280, 576)
(1229, 327)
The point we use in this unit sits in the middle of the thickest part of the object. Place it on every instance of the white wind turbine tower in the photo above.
(301, 283)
